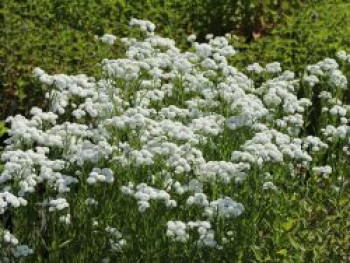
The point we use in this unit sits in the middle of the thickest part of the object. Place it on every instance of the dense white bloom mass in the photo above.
(167, 133)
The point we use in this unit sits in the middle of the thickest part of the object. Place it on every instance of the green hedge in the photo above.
(58, 35)
(305, 37)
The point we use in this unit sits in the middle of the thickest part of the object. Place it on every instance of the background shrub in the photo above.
(58, 34)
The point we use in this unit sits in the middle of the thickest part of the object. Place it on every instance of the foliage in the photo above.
(58, 34)
(304, 37)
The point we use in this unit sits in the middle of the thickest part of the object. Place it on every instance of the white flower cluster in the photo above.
(144, 194)
(200, 199)
(327, 69)
(342, 55)
(9, 200)
(22, 251)
(274, 67)
(9, 238)
(332, 132)
(193, 186)
(66, 219)
(224, 171)
(315, 143)
(91, 201)
(179, 231)
(271, 146)
(338, 110)
(143, 25)
(16, 250)
(108, 39)
(269, 186)
(325, 171)
(224, 207)
(116, 240)
(57, 204)
(206, 234)
(104, 175)
(256, 68)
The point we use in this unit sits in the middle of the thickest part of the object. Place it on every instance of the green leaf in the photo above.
(295, 244)
(283, 252)
(3, 128)
(288, 224)
(257, 253)
(65, 243)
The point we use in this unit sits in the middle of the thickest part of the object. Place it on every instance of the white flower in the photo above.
(38, 72)
(269, 186)
(9, 238)
(57, 204)
(338, 79)
(108, 39)
(91, 201)
(198, 199)
(143, 25)
(256, 68)
(191, 38)
(22, 251)
(177, 230)
(311, 80)
(325, 171)
(66, 219)
(209, 36)
(274, 67)
(342, 55)
(225, 207)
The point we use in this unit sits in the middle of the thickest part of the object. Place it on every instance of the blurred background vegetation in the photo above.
(58, 35)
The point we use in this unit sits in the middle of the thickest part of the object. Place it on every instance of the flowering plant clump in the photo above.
(171, 155)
